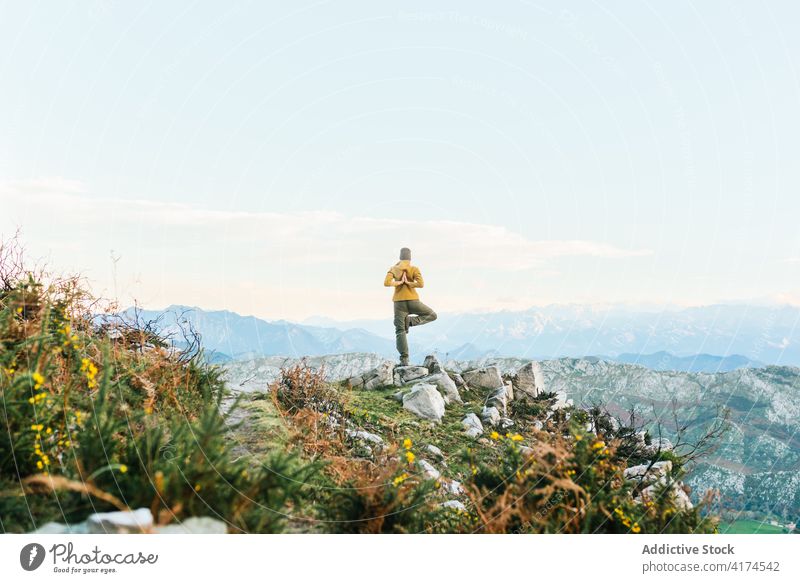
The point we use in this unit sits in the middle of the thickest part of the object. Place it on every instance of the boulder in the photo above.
(655, 472)
(674, 490)
(506, 423)
(658, 445)
(195, 525)
(445, 385)
(561, 401)
(453, 487)
(509, 390)
(380, 376)
(365, 436)
(487, 378)
(490, 415)
(457, 379)
(405, 374)
(433, 364)
(425, 401)
(456, 505)
(123, 522)
(498, 398)
(434, 451)
(528, 381)
(472, 425)
(430, 472)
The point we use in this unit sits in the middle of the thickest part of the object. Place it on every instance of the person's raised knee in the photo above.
(432, 317)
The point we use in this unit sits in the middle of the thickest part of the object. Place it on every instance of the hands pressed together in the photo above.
(402, 281)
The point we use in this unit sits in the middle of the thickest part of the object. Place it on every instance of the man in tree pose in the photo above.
(408, 310)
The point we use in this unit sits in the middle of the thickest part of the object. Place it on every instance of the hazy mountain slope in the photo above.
(695, 363)
(238, 336)
(765, 334)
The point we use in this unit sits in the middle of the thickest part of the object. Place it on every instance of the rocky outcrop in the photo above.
(486, 378)
(406, 374)
(528, 381)
(647, 472)
(380, 376)
(425, 401)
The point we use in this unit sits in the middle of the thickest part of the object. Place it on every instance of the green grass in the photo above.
(748, 526)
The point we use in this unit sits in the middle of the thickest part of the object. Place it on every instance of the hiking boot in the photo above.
(403, 361)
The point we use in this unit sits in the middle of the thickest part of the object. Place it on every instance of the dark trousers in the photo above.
(417, 314)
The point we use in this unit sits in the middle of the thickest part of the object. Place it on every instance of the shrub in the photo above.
(94, 421)
(569, 485)
(391, 496)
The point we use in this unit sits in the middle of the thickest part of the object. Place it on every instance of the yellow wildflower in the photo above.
(38, 379)
(636, 529)
(197, 487)
(410, 457)
(407, 443)
(517, 437)
(599, 445)
(578, 437)
(400, 479)
(494, 435)
(123, 469)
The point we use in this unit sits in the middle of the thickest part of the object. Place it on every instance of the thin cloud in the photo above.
(313, 236)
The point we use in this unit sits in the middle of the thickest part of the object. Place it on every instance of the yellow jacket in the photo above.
(406, 291)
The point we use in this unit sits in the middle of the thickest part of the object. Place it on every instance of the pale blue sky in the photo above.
(270, 158)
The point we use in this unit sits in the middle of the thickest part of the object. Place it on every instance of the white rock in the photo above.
(405, 374)
(509, 390)
(445, 385)
(483, 378)
(529, 381)
(641, 472)
(454, 505)
(430, 472)
(433, 364)
(505, 423)
(457, 379)
(425, 401)
(434, 451)
(472, 425)
(490, 415)
(657, 445)
(453, 487)
(498, 398)
(123, 522)
(195, 525)
(365, 436)
(380, 376)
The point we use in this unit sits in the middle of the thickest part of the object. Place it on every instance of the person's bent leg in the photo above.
(422, 313)
(401, 340)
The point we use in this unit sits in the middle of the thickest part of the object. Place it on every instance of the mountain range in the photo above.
(715, 338)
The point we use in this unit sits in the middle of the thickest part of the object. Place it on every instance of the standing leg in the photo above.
(422, 313)
(400, 313)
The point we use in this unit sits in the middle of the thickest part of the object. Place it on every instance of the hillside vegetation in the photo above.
(103, 414)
